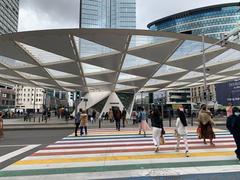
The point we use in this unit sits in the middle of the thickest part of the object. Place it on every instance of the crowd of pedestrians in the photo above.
(204, 129)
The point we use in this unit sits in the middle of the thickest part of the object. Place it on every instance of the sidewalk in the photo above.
(55, 123)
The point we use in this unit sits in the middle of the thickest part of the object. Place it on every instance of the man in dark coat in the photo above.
(233, 125)
(117, 116)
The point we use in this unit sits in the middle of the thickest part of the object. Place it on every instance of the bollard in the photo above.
(170, 119)
(99, 125)
(192, 119)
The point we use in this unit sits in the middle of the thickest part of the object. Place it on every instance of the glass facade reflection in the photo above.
(8, 16)
(108, 14)
(210, 21)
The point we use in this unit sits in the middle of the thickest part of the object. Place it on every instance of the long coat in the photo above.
(84, 119)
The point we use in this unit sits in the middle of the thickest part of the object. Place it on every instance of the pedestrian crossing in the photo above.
(105, 151)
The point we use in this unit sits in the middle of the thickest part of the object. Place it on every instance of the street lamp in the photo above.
(204, 71)
(34, 103)
(141, 98)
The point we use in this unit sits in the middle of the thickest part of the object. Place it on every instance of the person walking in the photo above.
(117, 116)
(83, 122)
(157, 126)
(142, 116)
(77, 121)
(205, 124)
(1, 124)
(229, 110)
(181, 130)
(124, 114)
(93, 116)
(233, 125)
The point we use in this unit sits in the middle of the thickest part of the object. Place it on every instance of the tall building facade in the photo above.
(29, 98)
(108, 14)
(8, 16)
(8, 24)
(212, 21)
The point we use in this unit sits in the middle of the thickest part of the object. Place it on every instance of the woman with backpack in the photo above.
(142, 116)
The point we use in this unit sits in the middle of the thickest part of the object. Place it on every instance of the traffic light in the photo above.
(205, 95)
(72, 95)
(78, 95)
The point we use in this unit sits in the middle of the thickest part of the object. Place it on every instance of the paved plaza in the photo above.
(107, 153)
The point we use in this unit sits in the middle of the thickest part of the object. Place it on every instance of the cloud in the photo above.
(48, 14)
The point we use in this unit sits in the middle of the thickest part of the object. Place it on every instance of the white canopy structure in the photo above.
(113, 60)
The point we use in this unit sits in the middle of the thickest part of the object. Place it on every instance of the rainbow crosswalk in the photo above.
(106, 153)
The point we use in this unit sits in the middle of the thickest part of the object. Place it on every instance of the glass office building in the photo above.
(108, 14)
(8, 16)
(210, 21)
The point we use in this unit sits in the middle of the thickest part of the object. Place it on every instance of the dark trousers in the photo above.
(236, 137)
(76, 128)
(81, 130)
(118, 124)
(124, 121)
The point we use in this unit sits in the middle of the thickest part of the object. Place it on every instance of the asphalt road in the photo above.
(18, 139)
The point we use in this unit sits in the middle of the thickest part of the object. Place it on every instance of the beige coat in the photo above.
(84, 119)
(204, 117)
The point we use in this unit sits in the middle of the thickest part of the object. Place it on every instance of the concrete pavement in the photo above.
(55, 123)
(109, 154)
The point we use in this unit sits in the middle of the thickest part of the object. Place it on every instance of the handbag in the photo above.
(162, 140)
(176, 134)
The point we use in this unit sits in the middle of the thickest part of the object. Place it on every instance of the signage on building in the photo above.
(114, 103)
(228, 92)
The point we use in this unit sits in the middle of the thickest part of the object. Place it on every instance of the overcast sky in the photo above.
(53, 14)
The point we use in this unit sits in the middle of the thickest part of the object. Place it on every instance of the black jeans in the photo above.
(236, 137)
(76, 128)
(118, 125)
(81, 130)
